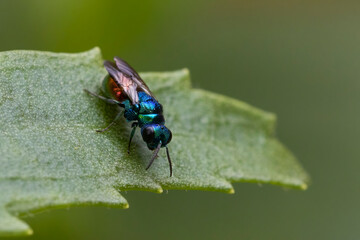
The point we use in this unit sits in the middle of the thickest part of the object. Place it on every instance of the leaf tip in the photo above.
(186, 71)
(95, 51)
(126, 206)
(303, 186)
(29, 232)
(231, 191)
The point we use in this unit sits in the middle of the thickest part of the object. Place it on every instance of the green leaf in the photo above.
(51, 156)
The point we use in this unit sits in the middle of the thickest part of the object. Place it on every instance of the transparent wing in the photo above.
(125, 82)
(127, 79)
(126, 69)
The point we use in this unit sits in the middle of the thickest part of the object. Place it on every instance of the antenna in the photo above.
(154, 156)
(169, 160)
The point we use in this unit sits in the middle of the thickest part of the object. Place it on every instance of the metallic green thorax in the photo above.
(147, 111)
(148, 114)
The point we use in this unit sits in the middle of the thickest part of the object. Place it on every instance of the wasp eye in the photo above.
(148, 134)
(170, 137)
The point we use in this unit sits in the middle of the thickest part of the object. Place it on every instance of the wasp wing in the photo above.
(127, 79)
(128, 86)
(128, 70)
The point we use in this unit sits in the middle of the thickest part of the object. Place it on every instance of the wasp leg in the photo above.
(108, 100)
(134, 126)
(112, 123)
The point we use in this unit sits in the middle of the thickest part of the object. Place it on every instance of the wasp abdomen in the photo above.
(112, 90)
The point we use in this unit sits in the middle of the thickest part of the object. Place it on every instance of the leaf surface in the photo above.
(51, 156)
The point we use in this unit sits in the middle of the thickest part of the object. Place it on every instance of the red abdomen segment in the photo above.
(112, 90)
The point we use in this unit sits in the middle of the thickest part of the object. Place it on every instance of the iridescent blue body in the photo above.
(124, 87)
(148, 113)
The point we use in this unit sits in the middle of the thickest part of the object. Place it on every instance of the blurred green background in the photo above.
(299, 59)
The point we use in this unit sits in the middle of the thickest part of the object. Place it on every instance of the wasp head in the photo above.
(153, 134)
